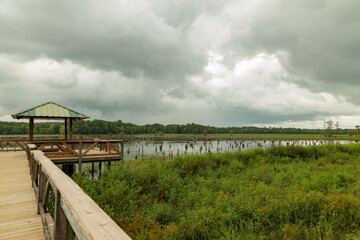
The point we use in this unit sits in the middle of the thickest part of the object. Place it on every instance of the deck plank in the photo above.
(18, 209)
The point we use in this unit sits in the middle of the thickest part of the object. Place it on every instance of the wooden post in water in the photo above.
(99, 170)
(122, 151)
(109, 150)
(92, 170)
(68, 169)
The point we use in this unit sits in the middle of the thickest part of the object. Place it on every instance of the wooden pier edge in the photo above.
(74, 210)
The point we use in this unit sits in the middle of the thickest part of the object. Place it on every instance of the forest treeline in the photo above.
(119, 127)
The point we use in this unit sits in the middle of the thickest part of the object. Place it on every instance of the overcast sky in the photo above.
(214, 62)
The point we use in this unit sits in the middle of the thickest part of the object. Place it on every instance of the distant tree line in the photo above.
(119, 127)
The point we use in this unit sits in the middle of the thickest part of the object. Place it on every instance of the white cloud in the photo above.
(260, 84)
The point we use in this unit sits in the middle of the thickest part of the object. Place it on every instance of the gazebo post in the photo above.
(70, 129)
(66, 129)
(31, 129)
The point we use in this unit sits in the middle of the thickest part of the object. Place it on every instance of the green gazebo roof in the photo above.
(49, 110)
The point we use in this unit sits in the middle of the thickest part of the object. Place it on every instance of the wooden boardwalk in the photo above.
(18, 207)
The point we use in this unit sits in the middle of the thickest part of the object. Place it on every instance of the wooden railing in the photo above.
(75, 214)
(7, 145)
(66, 149)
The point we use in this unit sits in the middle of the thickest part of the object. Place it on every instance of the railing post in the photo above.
(30, 157)
(27, 156)
(42, 183)
(80, 157)
(62, 227)
(32, 170)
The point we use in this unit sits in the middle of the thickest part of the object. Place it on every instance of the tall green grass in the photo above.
(288, 192)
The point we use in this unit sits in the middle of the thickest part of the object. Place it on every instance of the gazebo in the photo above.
(68, 151)
(50, 111)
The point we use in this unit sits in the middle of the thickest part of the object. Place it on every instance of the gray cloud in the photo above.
(112, 35)
(181, 14)
(320, 37)
(209, 61)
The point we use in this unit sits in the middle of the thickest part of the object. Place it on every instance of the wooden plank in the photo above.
(31, 146)
(11, 150)
(44, 220)
(31, 129)
(17, 142)
(112, 146)
(12, 140)
(66, 129)
(31, 231)
(89, 148)
(24, 213)
(46, 196)
(62, 229)
(102, 155)
(68, 147)
(60, 155)
(70, 128)
(60, 146)
(85, 160)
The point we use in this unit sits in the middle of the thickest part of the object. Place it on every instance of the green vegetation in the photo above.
(119, 127)
(288, 192)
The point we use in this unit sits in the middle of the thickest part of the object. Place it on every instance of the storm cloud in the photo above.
(224, 63)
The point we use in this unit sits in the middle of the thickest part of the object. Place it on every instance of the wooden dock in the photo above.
(26, 180)
(31, 183)
(18, 206)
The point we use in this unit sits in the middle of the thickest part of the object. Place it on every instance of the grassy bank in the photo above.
(283, 192)
(282, 136)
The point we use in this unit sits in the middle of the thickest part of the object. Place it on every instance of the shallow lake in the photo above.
(168, 149)
(147, 149)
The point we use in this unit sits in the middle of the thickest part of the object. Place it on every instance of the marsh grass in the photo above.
(286, 192)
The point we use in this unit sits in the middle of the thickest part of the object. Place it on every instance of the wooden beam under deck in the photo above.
(85, 159)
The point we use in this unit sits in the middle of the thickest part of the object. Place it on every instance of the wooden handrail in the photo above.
(74, 210)
(12, 145)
